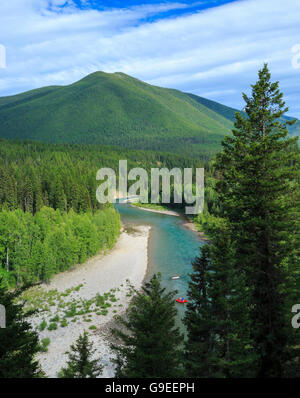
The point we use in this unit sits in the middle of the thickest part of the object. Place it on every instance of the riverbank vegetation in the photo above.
(35, 247)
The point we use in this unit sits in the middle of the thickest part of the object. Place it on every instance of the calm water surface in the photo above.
(172, 247)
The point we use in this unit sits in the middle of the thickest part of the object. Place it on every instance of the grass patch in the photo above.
(52, 326)
(92, 327)
(43, 325)
(44, 344)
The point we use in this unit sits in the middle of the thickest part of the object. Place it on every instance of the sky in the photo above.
(210, 48)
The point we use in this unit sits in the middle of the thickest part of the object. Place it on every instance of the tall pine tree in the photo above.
(148, 341)
(259, 192)
(81, 361)
(199, 344)
(18, 342)
(218, 343)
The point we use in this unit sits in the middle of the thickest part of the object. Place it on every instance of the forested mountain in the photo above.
(229, 113)
(116, 109)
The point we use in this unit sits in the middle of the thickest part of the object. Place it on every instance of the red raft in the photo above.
(181, 300)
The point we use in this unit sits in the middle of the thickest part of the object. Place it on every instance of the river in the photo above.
(172, 247)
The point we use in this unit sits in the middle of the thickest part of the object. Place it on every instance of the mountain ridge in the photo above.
(117, 109)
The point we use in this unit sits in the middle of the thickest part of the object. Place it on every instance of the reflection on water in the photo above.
(172, 247)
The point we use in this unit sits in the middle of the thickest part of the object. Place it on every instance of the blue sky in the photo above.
(108, 4)
(185, 7)
(209, 48)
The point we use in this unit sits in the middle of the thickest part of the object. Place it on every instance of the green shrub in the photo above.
(55, 319)
(43, 346)
(99, 300)
(77, 288)
(92, 327)
(43, 325)
(52, 326)
(71, 311)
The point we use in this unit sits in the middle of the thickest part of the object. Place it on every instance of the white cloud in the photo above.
(213, 53)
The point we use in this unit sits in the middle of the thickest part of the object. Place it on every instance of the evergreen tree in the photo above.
(27, 195)
(233, 352)
(199, 344)
(148, 341)
(217, 319)
(80, 362)
(38, 198)
(18, 342)
(259, 192)
(8, 192)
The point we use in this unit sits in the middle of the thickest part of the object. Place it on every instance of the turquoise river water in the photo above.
(172, 247)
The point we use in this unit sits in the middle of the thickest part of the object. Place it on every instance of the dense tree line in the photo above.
(34, 247)
(33, 175)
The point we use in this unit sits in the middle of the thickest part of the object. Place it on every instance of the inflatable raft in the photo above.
(181, 300)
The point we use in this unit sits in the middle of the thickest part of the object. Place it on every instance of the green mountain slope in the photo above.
(116, 109)
(229, 113)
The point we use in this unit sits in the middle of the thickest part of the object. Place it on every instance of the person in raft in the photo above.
(181, 300)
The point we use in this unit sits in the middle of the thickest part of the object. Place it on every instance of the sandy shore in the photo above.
(167, 212)
(187, 222)
(127, 261)
(119, 195)
(190, 225)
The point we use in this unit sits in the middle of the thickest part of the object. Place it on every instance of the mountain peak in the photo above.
(117, 109)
